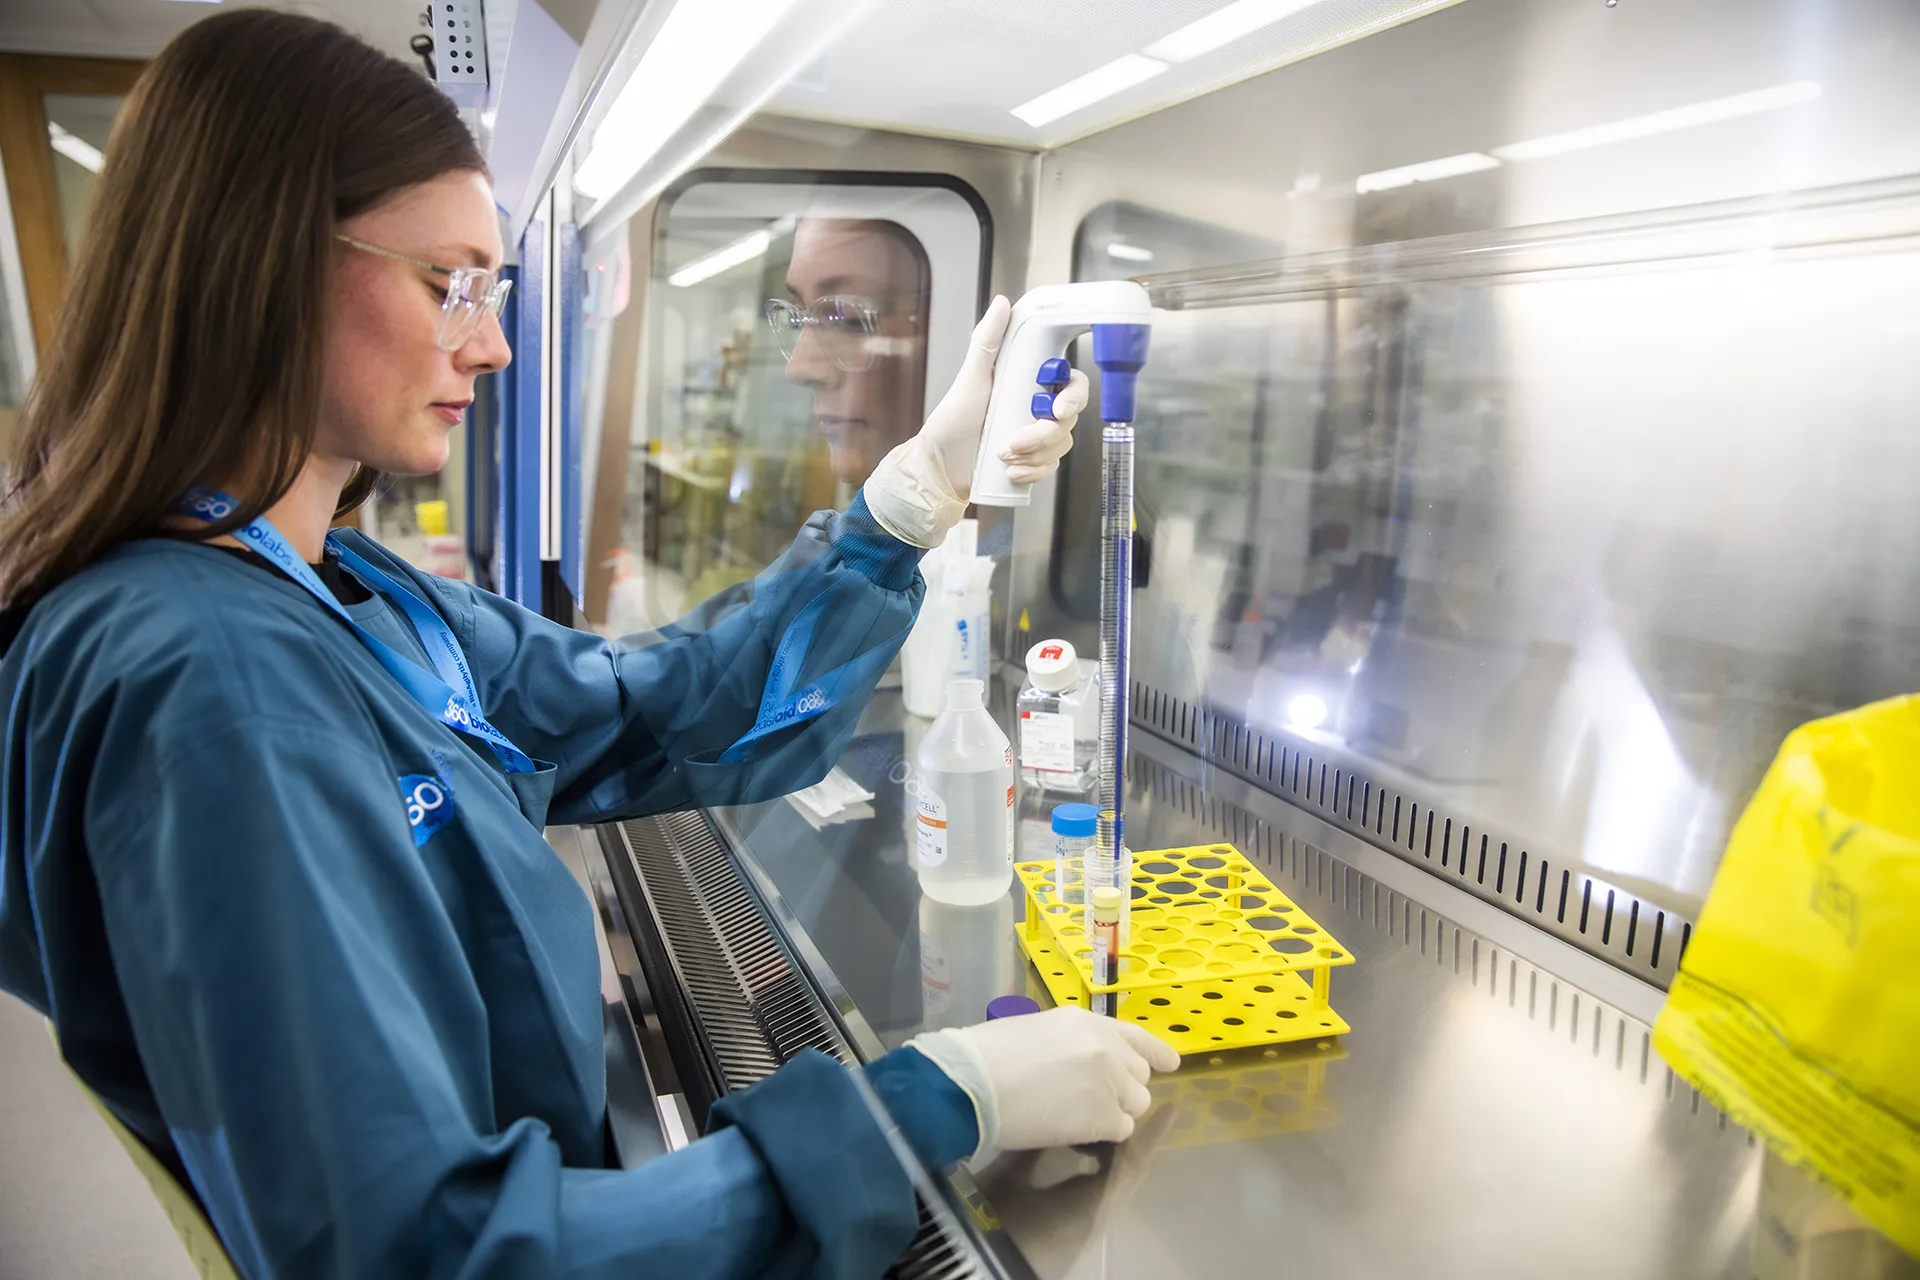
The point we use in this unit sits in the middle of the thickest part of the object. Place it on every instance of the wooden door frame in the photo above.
(27, 156)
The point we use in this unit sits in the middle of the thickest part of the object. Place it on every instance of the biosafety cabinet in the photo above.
(1527, 444)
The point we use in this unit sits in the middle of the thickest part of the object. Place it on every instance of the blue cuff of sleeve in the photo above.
(840, 1178)
(882, 558)
(933, 1112)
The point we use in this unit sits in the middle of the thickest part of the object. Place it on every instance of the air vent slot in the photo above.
(1345, 790)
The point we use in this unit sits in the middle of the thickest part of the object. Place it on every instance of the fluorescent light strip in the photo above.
(1102, 82)
(1427, 171)
(1223, 26)
(696, 49)
(78, 150)
(745, 249)
(1601, 135)
(1128, 252)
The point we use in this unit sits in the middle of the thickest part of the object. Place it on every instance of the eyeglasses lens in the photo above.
(471, 297)
(786, 320)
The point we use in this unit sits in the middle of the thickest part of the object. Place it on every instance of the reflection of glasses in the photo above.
(843, 325)
(472, 294)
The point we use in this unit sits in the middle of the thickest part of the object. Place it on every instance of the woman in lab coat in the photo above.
(270, 831)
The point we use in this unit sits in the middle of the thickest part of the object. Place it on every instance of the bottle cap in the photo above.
(1010, 1007)
(1052, 665)
(1106, 899)
(964, 695)
(1075, 819)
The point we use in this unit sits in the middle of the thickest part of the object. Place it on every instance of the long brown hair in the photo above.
(190, 345)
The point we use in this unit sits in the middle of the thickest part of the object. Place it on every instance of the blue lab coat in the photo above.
(369, 1029)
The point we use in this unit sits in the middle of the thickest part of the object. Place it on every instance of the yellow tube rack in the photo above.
(1214, 956)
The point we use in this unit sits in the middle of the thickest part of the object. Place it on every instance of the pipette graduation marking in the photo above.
(1120, 350)
(1116, 642)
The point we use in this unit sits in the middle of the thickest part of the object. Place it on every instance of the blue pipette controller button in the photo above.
(1043, 404)
(1055, 374)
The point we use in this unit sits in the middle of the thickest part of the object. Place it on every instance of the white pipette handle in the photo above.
(1044, 322)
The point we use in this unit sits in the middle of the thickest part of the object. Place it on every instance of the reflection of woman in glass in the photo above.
(855, 334)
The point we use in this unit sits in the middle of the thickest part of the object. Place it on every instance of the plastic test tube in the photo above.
(1105, 868)
(1105, 918)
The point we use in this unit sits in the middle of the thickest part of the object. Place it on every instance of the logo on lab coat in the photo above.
(429, 802)
(210, 506)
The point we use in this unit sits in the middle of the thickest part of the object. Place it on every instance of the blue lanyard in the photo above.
(451, 697)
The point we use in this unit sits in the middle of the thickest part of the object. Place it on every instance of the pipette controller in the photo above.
(1031, 369)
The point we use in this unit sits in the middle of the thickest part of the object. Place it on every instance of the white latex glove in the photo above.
(920, 489)
(1051, 1079)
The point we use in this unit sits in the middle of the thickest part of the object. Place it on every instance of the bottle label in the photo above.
(1046, 742)
(1009, 844)
(970, 649)
(936, 986)
(930, 842)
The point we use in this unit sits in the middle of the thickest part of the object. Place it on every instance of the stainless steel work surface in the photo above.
(1496, 1111)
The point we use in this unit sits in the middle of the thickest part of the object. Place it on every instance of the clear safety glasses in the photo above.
(843, 325)
(472, 293)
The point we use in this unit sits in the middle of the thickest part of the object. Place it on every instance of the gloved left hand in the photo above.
(919, 491)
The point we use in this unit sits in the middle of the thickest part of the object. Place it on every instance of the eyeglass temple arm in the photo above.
(411, 261)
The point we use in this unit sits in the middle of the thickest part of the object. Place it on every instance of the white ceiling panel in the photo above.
(959, 68)
(138, 28)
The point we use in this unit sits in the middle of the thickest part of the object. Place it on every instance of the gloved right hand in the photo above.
(920, 490)
(1051, 1079)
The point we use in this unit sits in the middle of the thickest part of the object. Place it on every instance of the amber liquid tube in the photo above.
(1103, 917)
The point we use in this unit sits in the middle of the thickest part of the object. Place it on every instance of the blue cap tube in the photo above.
(1075, 820)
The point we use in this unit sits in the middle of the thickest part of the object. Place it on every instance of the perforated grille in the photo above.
(753, 1007)
(1639, 937)
(756, 1009)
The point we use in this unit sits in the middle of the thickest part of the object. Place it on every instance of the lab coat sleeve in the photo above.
(935, 1115)
(312, 1032)
(848, 1191)
(640, 725)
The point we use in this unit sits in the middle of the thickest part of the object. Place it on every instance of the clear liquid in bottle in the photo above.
(963, 844)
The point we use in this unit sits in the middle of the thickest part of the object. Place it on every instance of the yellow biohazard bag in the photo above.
(1797, 1006)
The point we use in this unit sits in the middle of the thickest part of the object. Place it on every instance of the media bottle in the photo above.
(1059, 720)
(963, 840)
